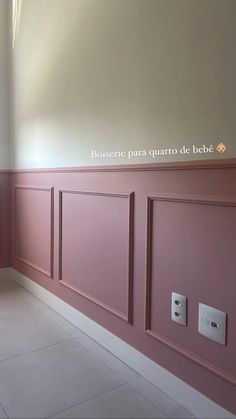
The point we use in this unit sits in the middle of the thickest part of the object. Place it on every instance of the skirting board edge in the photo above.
(193, 400)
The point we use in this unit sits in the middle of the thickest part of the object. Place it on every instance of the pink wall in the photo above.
(115, 243)
(4, 219)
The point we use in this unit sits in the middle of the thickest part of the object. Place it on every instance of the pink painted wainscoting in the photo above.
(4, 219)
(114, 243)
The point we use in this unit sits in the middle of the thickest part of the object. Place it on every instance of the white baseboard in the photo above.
(193, 400)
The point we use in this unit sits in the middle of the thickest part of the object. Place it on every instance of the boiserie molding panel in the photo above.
(190, 205)
(186, 199)
(26, 260)
(128, 315)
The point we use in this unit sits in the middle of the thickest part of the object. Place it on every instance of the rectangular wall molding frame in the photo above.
(25, 260)
(199, 200)
(130, 217)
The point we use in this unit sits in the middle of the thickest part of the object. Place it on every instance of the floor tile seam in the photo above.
(148, 400)
(42, 313)
(36, 350)
(111, 353)
(41, 309)
(19, 316)
(108, 366)
(88, 400)
(31, 297)
(4, 411)
(164, 394)
(58, 325)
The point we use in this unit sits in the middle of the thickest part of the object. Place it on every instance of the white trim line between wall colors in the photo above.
(193, 400)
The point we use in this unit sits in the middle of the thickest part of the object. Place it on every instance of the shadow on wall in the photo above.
(122, 74)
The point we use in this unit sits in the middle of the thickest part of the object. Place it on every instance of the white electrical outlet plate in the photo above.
(212, 323)
(179, 308)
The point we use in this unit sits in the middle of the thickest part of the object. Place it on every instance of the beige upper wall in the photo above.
(4, 91)
(111, 75)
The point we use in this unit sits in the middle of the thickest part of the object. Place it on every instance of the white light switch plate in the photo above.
(179, 308)
(212, 323)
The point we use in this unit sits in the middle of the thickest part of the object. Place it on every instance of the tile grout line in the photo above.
(4, 411)
(45, 294)
(125, 383)
(157, 407)
(111, 353)
(150, 401)
(58, 325)
(88, 400)
(36, 350)
(77, 337)
(104, 363)
(43, 305)
(19, 316)
(41, 311)
(164, 394)
(107, 392)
